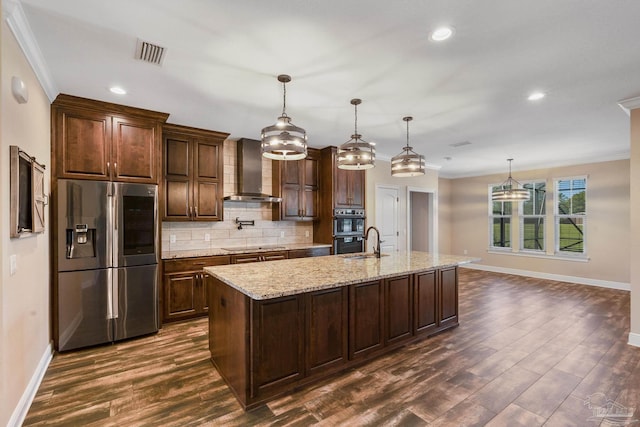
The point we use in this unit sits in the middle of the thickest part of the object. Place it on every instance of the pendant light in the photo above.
(356, 154)
(407, 163)
(510, 191)
(284, 140)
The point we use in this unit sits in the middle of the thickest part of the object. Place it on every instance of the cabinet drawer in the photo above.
(309, 252)
(258, 256)
(193, 264)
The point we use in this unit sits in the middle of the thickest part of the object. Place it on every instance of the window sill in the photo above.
(557, 257)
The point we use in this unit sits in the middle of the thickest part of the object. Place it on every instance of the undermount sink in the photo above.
(361, 256)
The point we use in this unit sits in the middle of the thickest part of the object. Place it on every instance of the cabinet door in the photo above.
(399, 309)
(82, 144)
(425, 302)
(278, 343)
(177, 178)
(135, 151)
(366, 319)
(448, 287)
(311, 189)
(180, 295)
(341, 188)
(327, 320)
(207, 191)
(356, 185)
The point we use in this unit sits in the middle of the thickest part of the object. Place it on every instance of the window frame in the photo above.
(558, 216)
(491, 219)
(522, 216)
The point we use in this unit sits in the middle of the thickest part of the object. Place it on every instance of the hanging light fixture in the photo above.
(284, 140)
(356, 153)
(509, 191)
(407, 163)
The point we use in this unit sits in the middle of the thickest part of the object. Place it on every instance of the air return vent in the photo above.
(149, 52)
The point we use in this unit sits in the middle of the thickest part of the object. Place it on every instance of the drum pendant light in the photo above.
(509, 191)
(284, 140)
(407, 163)
(356, 154)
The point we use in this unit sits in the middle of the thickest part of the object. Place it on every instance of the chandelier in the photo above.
(509, 191)
(284, 140)
(356, 153)
(408, 162)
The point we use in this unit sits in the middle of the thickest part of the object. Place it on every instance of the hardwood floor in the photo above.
(527, 352)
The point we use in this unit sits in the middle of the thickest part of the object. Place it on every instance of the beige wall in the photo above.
(24, 297)
(381, 175)
(444, 216)
(608, 241)
(635, 225)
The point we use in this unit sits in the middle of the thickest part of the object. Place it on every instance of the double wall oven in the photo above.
(348, 231)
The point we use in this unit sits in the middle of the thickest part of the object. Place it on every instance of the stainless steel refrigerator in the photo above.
(107, 262)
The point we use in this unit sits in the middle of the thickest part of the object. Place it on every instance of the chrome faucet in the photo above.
(376, 247)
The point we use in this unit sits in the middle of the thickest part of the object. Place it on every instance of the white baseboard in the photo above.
(20, 412)
(557, 277)
(634, 339)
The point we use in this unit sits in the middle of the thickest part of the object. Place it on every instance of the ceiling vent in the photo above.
(459, 144)
(149, 52)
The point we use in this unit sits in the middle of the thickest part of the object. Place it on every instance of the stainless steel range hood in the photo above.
(249, 174)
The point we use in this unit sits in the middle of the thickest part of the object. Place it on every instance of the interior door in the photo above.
(387, 217)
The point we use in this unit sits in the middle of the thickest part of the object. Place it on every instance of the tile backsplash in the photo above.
(190, 235)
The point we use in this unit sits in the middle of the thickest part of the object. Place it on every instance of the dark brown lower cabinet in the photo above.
(185, 288)
(266, 348)
(366, 318)
(426, 302)
(448, 287)
(399, 313)
(278, 343)
(327, 317)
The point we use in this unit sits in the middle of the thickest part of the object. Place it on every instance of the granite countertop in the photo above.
(240, 250)
(272, 279)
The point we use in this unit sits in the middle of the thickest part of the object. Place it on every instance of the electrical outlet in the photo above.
(282, 234)
(172, 238)
(207, 237)
(464, 252)
(306, 233)
(13, 261)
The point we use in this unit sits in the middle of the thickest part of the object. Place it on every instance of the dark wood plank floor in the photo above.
(528, 352)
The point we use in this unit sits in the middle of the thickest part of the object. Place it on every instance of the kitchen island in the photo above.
(275, 326)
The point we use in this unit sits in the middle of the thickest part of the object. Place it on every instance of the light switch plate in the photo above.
(282, 234)
(13, 262)
(207, 237)
(172, 238)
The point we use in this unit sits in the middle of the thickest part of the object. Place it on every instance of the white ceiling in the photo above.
(223, 57)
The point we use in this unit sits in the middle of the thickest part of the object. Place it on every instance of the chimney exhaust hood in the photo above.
(249, 174)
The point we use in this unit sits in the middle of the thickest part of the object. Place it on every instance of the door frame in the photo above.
(432, 196)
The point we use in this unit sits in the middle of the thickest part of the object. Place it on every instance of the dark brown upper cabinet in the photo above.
(193, 181)
(104, 141)
(298, 183)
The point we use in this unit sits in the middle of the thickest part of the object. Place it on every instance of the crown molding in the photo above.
(629, 104)
(19, 25)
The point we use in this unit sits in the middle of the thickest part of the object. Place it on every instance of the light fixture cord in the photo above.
(407, 135)
(284, 99)
(355, 106)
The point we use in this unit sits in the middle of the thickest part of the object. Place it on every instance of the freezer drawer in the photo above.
(137, 301)
(83, 309)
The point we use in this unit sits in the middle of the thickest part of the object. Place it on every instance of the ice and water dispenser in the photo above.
(81, 241)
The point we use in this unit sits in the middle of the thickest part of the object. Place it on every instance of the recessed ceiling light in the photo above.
(441, 34)
(117, 90)
(534, 96)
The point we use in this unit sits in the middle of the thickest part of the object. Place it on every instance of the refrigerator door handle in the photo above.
(110, 293)
(116, 295)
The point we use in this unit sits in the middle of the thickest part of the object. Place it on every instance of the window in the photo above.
(570, 215)
(499, 221)
(532, 230)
